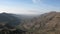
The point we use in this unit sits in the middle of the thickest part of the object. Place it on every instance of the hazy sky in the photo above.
(29, 6)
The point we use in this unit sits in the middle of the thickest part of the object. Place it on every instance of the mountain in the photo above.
(9, 19)
(8, 23)
(48, 23)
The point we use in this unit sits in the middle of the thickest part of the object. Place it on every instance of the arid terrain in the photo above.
(48, 23)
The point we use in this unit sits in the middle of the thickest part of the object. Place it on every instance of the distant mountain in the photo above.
(9, 19)
(24, 16)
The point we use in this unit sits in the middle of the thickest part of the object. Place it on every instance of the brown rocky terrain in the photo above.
(48, 23)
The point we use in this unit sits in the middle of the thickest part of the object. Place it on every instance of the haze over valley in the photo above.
(29, 16)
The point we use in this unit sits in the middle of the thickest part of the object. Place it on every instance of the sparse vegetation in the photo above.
(48, 23)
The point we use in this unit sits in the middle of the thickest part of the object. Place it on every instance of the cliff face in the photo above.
(48, 23)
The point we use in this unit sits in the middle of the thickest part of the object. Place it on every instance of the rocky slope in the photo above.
(48, 23)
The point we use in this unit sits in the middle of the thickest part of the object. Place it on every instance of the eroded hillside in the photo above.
(48, 23)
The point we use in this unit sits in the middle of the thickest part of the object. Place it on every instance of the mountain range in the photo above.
(47, 23)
